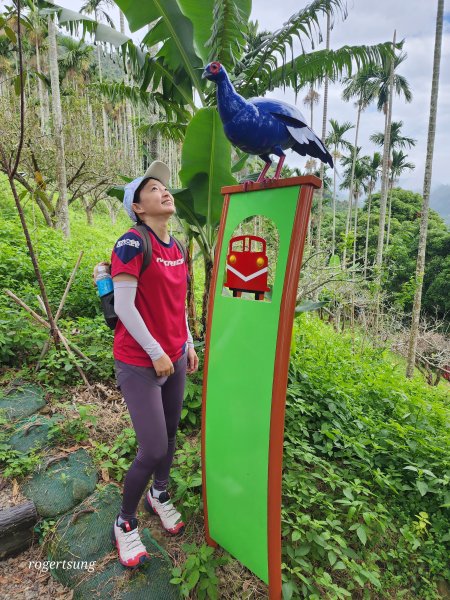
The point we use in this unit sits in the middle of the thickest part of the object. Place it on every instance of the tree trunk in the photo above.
(350, 195)
(324, 131)
(16, 528)
(192, 313)
(62, 206)
(355, 231)
(88, 210)
(420, 266)
(40, 90)
(385, 174)
(131, 146)
(208, 277)
(333, 233)
(366, 250)
(44, 211)
(391, 185)
(104, 115)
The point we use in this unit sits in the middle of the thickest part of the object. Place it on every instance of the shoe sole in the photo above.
(142, 559)
(152, 511)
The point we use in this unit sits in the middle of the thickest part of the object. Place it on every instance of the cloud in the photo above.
(371, 23)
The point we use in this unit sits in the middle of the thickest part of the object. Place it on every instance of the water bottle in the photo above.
(106, 292)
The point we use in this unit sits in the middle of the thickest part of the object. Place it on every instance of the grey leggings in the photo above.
(154, 404)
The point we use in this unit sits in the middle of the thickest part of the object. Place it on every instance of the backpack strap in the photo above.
(146, 246)
(148, 250)
(182, 249)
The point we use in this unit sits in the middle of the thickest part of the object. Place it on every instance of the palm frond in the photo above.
(303, 25)
(228, 35)
(313, 67)
(168, 130)
(119, 91)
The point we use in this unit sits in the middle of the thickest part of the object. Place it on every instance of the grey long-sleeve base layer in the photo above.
(154, 404)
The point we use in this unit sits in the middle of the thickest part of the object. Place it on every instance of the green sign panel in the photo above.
(241, 348)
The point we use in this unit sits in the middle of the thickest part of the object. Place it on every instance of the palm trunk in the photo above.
(40, 90)
(131, 146)
(350, 195)
(355, 231)
(192, 314)
(420, 267)
(385, 176)
(62, 206)
(366, 250)
(333, 233)
(391, 185)
(104, 115)
(208, 278)
(324, 131)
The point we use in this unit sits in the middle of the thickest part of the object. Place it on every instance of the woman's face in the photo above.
(154, 200)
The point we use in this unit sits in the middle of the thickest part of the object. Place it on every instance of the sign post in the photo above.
(245, 380)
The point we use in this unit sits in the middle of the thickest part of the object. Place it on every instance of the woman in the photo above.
(153, 350)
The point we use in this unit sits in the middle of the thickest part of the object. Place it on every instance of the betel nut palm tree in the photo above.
(335, 140)
(420, 266)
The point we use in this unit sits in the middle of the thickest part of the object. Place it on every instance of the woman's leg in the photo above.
(172, 401)
(141, 389)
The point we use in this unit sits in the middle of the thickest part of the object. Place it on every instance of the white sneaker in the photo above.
(125, 537)
(163, 507)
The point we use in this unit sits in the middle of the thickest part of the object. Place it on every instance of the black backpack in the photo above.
(108, 300)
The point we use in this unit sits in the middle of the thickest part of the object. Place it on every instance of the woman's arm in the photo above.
(190, 341)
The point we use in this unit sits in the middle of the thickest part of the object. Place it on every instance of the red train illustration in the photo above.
(247, 265)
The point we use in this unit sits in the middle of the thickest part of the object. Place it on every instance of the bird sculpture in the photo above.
(263, 126)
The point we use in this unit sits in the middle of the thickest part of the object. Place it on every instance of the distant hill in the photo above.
(440, 201)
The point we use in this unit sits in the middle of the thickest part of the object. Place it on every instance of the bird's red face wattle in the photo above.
(214, 67)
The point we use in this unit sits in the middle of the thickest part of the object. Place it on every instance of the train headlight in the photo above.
(260, 262)
(232, 259)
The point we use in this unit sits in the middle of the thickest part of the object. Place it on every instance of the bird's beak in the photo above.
(204, 74)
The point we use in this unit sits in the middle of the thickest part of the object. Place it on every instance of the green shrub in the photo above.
(198, 571)
(18, 464)
(118, 457)
(366, 474)
(73, 430)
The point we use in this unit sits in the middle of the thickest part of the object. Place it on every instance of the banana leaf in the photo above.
(206, 164)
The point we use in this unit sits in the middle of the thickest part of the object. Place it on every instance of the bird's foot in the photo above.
(246, 184)
(268, 179)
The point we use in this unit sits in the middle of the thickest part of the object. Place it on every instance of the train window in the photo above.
(256, 246)
(252, 253)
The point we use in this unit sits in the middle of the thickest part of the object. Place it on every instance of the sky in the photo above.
(371, 22)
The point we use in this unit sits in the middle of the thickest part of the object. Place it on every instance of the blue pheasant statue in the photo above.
(263, 126)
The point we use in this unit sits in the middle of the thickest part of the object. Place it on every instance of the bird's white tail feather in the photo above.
(305, 135)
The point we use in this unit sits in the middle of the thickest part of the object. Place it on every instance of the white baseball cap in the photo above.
(157, 170)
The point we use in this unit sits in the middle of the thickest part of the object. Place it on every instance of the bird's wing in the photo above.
(280, 109)
(306, 141)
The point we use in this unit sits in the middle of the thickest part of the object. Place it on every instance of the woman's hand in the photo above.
(192, 361)
(163, 366)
